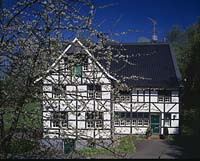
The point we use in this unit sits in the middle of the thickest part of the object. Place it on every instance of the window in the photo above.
(134, 122)
(140, 119)
(94, 91)
(55, 119)
(60, 119)
(94, 119)
(64, 119)
(85, 64)
(124, 96)
(77, 70)
(57, 90)
(164, 95)
(167, 119)
(122, 118)
(140, 122)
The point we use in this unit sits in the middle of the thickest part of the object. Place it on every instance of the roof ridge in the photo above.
(138, 43)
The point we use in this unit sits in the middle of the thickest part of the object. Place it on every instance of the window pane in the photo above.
(134, 122)
(140, 122)
(77, 70)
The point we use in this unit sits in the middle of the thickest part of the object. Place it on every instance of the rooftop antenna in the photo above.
(154, 36)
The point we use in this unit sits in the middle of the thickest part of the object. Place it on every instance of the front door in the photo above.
(155, 123)
(69, 145)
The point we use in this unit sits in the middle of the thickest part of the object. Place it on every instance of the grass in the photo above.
(125, 146)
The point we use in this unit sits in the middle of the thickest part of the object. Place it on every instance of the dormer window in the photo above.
(164, 96)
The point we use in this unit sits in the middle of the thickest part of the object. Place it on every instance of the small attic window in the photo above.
(77, 70)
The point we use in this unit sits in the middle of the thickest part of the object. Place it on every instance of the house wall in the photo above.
(76, 102)
(146, 101)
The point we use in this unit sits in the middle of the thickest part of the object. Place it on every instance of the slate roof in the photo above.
(150, 65)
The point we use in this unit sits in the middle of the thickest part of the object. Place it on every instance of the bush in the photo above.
(20, 146)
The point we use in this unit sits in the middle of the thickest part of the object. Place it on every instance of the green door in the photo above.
(69, 145)
(155, 124)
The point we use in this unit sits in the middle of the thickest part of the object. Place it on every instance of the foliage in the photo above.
(149, 131)
(20, 146)
(125, 146)
(186, 45)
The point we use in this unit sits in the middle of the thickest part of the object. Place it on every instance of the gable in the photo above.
(73, 49)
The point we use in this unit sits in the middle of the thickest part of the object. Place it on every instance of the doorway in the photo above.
(155, 123)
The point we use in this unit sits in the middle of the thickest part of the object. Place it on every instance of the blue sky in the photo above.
(133, 15)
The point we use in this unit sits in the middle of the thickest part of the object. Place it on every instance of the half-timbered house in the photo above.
(83, 98)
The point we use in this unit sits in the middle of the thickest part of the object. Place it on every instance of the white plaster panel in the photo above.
(173, 130)
(82, 88)
(99, 74)
(154, 109)
(105, 95)
(47, 95)
(90, 105)
(144, 108)
(122, 130)
(175, 99)
(160, 106)
(162, 122)
(81, 124)
(47, 88)
(146, 98)
(126, 106)
(138, 130)
(46, 81)
(81, 116)
(154, 99)
(46, 124)
(52, 78)
(106, 115)
(107, 124)
(141, 99)
(136, 106)
(82, 95)
(71, 115)
(51, 135)
(161, 131)
(72, 124)
(102, 134)
(46, 115)
(104, 80)
(174, 123)
(175, 108)
(134, 98)
(106, 87)
(174, 114)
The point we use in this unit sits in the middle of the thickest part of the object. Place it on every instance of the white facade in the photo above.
(86, 106)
